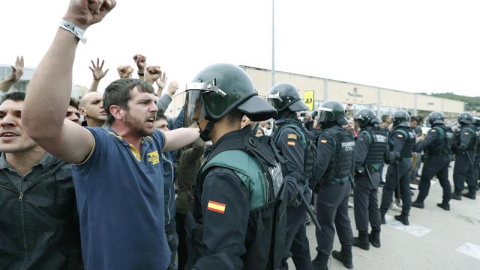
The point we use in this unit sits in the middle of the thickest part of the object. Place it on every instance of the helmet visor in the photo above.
(322, 114)
(274, 99)
(194, 110)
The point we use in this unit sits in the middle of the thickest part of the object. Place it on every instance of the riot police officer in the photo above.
(289, 138)
(476, 123)
(235, 194)
(402, 143)
(437, 151)
(332, 182)
(463, 146)
(371, 150)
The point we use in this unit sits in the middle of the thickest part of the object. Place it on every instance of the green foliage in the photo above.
(471, 103)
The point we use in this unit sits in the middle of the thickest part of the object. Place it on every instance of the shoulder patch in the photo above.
(291, 143)
(323, 141)
(433, 130)
(466, 133)
(292, 136)
(399, 135)
(216, 207)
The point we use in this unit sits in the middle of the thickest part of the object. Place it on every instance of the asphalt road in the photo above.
(436, 239)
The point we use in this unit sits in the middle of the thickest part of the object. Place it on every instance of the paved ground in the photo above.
(436, 239)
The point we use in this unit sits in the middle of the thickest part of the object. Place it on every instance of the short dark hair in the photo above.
(74, 102)
(161, 115)
(15, 96)
(118, 93)
(420, 118)
(385, 117)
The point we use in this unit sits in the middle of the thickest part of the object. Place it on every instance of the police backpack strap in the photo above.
(447, 136)
(309, 143)
(262, 148)
(474, 138)
(266, 153)
(369, 135)
(401, 131)
(334, 154)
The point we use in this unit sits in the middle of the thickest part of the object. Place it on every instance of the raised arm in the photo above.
(49, 90)
(181, 137)
(17, 72)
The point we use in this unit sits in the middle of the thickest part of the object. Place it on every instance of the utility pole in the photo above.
(273, 43)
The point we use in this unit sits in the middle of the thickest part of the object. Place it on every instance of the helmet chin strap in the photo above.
(205, 133)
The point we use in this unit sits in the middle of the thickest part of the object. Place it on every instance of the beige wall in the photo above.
(262, 79)
(377, 98)
(351, 93)
(396, 99)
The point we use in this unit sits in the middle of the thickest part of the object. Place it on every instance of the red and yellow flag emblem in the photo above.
(216, 207)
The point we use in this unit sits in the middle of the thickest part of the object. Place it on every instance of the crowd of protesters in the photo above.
(108, 181)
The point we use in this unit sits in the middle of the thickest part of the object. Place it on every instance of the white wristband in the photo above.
(75, 30)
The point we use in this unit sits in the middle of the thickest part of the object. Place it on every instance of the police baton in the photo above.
(469, 158)
(369, 176)
(309, 211)
(398, 180)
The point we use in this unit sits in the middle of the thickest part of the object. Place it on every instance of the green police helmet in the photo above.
(285, 95)
(332, 111)
(219, 89)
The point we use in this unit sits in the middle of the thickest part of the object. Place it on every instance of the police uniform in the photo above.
(289, 144)
(402, 143)
(232, 228)
(477, 157)
(464, 162)
(237, 195)
(436, 163)
(371, 149)
(335, 163)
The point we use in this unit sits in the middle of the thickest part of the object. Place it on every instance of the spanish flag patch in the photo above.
(400, 136)
(216, 207)
(291, 143)
(323, 141)
(292, 136)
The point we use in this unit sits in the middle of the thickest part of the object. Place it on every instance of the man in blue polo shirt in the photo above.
(119, 171)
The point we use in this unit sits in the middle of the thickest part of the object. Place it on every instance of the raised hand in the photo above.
(84, 13)
(17, 70)
(125, 71)
(152, 74)
(97, 70)
(172, 88)
(162, 81)
(140, 61)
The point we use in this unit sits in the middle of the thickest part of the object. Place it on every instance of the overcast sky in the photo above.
(415, 46)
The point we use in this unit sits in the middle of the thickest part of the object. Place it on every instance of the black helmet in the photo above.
(436, 118)
(465, 118)
(476, 120)
(285, 95)
(401, 118)
(332, 111)
(219, 89)
(364, 117)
